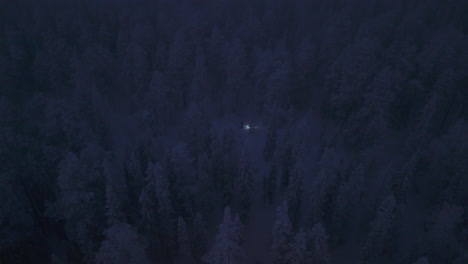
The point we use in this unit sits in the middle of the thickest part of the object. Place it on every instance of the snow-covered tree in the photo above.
(305, 60)
(179, 54)
(356, 182)
(401, 180)
(227, 248)
(319, 243)
(160, 100)
(341, 213)
(116, 190)
(270, 144)
(200, 86)
(228, 166)
(216, 51)
(337, 33)
(321, 193)
(299, 252)
(197, 131)
(348, 73)
(278, 93)
(246, 181)
(282, 234)
(157, 180)
(181, 165)
(236, 77)
(183, 241)
(135, 175)
(346, 203)
(15, 212)
(444, 225)
(122, 245)
(200, 235)
(157, 213)
(262, 68)
(113, 207)
(272, 183)
(300, 139)
(421, 260)
(288, 162)
(81, 197)
(380, 230)
(294, 193)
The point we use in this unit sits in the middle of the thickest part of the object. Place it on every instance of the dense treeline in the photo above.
(114, 146)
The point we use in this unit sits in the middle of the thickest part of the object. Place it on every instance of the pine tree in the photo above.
(287, 165)
(319, 241)
(272, 179)
(197, 130)
(348, 74)
(200, 235)
(444, 225)
(294, 193)
(299, 252)
(81, 199)
(159, 100)
(278, 94)
(401, 180)
(183, 241)
(356, 182)
(140, 65)
(160, 183)
(305, 59)
(181, 164)
(262, 69)
(20, 216)
(346, 204)
(113, 207)
(238, 228)
(380, 228)
(156, 208)
(281, 234)
(123, 245)
(340, 213)
(427, 115)
(227, 248)
(321, 193)
(179, 54)
(200, 86)
(300, 137)
(135, 175)
(216, 51)
(270, 145)
(378, 101)
(116, 188)
(246, 181)
(228, 166)
(236, 77)
(421, 260)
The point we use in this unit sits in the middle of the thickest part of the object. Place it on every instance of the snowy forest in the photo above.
(234, 131)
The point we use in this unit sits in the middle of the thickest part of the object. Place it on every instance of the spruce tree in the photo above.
(282, 234)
